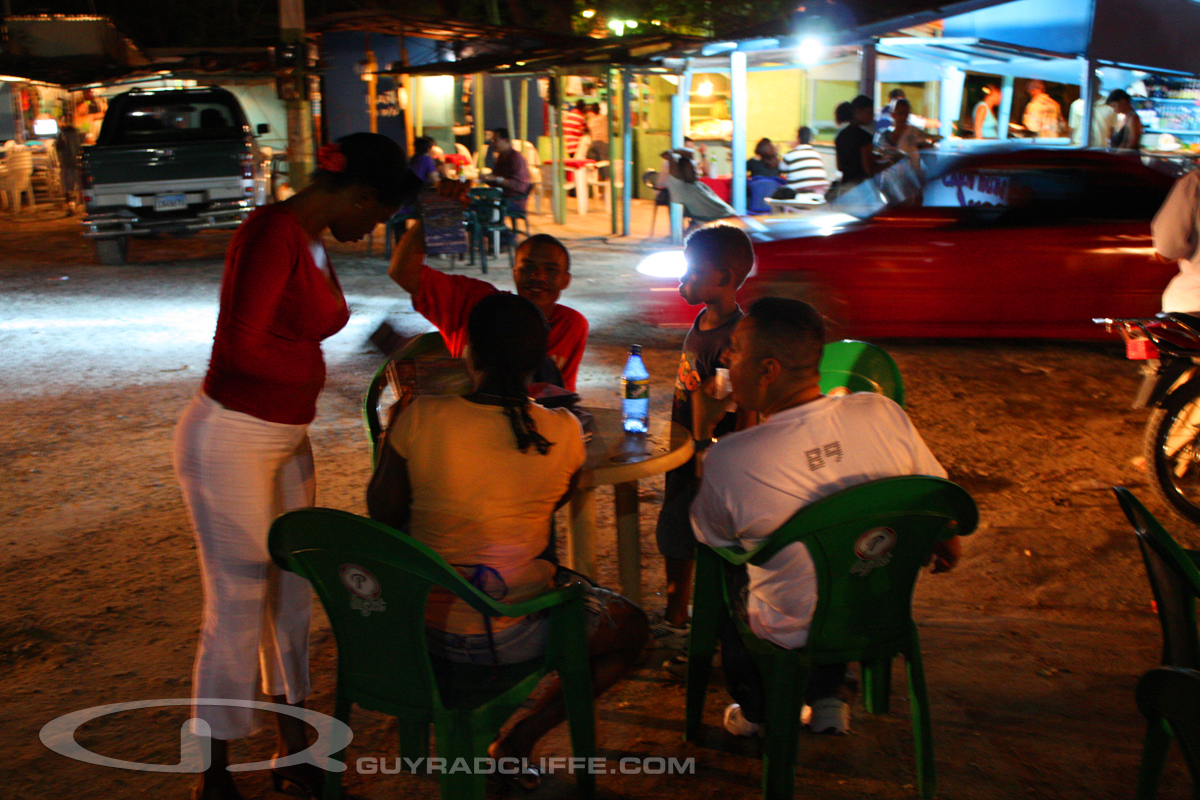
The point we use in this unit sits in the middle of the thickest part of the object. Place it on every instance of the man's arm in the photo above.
(408, 258)
(1174, 226)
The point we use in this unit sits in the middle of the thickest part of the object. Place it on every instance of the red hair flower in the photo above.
(331, 158)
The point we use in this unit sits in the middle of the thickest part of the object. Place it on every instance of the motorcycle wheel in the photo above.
(1172, 447)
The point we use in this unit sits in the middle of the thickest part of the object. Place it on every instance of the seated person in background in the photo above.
(510, 172)
(699, 201)
(423, 164)
(598, 129)
(765, 162)
(806, 446)
(541, 271)
(477, 479)
(802, 167)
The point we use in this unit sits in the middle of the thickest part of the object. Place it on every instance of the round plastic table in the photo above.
(620, 459)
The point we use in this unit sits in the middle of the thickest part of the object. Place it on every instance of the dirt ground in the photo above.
(1032, 646)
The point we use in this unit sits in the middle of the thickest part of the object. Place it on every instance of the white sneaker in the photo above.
(738, 725)
(828, 715)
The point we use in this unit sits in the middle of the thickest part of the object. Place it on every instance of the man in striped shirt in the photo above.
(802, 167)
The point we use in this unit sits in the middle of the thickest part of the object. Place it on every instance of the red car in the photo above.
(1011, 243)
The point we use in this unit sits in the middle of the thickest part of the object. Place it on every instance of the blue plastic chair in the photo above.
(758, 189)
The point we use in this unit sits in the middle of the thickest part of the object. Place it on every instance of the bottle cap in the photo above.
(635, 349)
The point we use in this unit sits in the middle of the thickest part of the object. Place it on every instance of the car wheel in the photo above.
(820, 295)
(112, 252)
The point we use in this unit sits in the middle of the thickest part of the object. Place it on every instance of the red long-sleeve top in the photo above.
(276, 307)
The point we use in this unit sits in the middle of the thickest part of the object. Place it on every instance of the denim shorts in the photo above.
(524, 640)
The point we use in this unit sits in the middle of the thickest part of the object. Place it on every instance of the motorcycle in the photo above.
(1168, 346)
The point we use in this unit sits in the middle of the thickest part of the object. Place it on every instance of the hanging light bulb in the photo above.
(705, 88)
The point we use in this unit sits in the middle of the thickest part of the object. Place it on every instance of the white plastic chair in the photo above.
(18, 176)
(533, 160)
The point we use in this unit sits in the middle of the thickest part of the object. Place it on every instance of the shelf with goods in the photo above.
(1170, 106)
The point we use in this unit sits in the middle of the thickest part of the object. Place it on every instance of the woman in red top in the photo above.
(242, 452)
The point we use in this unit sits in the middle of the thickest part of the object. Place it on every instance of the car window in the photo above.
(159, 120)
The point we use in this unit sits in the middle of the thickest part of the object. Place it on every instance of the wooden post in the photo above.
(523, 114)
(508, 109)
(299, 113)
(559, 145)
(626, 149)
(477, 113)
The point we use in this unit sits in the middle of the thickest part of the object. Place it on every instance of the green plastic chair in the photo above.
(1175, 582)
(861, 367)
(373, 582)
(1169, 699)
(863, 613)
(425, 344)
(486, 221)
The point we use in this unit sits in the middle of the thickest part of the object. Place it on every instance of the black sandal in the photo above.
(303, 779)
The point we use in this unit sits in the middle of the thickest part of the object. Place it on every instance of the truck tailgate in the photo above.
(130, 164)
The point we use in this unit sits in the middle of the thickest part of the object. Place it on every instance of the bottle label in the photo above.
(636, 390)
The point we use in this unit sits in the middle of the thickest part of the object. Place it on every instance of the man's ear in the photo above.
(566, 281)
(770, 370)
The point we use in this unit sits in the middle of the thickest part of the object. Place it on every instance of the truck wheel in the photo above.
(112, 252)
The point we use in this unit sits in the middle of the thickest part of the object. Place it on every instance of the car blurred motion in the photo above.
(1017, 243)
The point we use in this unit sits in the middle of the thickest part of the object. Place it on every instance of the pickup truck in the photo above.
(170, 161)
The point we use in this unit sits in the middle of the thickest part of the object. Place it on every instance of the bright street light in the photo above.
(810, 50)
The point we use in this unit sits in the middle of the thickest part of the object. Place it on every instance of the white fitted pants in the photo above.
(238, 474)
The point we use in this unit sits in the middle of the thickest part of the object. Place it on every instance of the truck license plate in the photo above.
(170, 202)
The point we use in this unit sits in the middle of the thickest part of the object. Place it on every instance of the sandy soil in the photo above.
(1033, 645)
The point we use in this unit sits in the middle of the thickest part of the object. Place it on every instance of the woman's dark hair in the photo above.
(375, 161)
(508, 336)
(843, 113)
(422, 145)
(1117, 96)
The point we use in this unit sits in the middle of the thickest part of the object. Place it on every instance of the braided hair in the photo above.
(508, 336)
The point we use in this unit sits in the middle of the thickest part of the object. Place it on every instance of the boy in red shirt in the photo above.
(541, 270)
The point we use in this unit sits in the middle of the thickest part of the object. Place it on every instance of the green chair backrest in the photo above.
(488, 205)
(424, 344)
(868, 544)
(373, 582)
(1174, 580)
(861, 367)
(1173, 694)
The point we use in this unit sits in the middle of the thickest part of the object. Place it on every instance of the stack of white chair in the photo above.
(18, 174)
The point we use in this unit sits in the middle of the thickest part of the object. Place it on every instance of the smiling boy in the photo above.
(541, 271)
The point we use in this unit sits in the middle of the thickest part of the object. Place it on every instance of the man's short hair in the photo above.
(842, 113)
(727, 246)
(1118, 96)
(862, 101)
(804, 134)
(501, 133)
(789, 331)
(901, 103)
(894, 93)
(546, 239)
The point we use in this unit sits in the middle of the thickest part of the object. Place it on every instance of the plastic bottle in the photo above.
(635, 393)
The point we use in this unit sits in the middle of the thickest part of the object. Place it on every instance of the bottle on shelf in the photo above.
(635, 393)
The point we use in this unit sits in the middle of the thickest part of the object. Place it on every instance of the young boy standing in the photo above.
(719, 257)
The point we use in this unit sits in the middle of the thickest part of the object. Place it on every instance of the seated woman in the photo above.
(477, 479)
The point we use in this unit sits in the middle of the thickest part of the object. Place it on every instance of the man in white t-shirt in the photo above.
(807, 446)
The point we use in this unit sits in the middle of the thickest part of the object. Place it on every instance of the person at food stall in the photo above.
(1104, 119)
(477, 479)
(1176, 234)
(574, 128)
(765, 163)
(242, 451)
(598, 129)
(854, 144)
(884, 118)
(984, 115)
(1043, 115)
(510, 172)
(1127, 135)
(67, 146)
(843, 115)
(902, 139)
